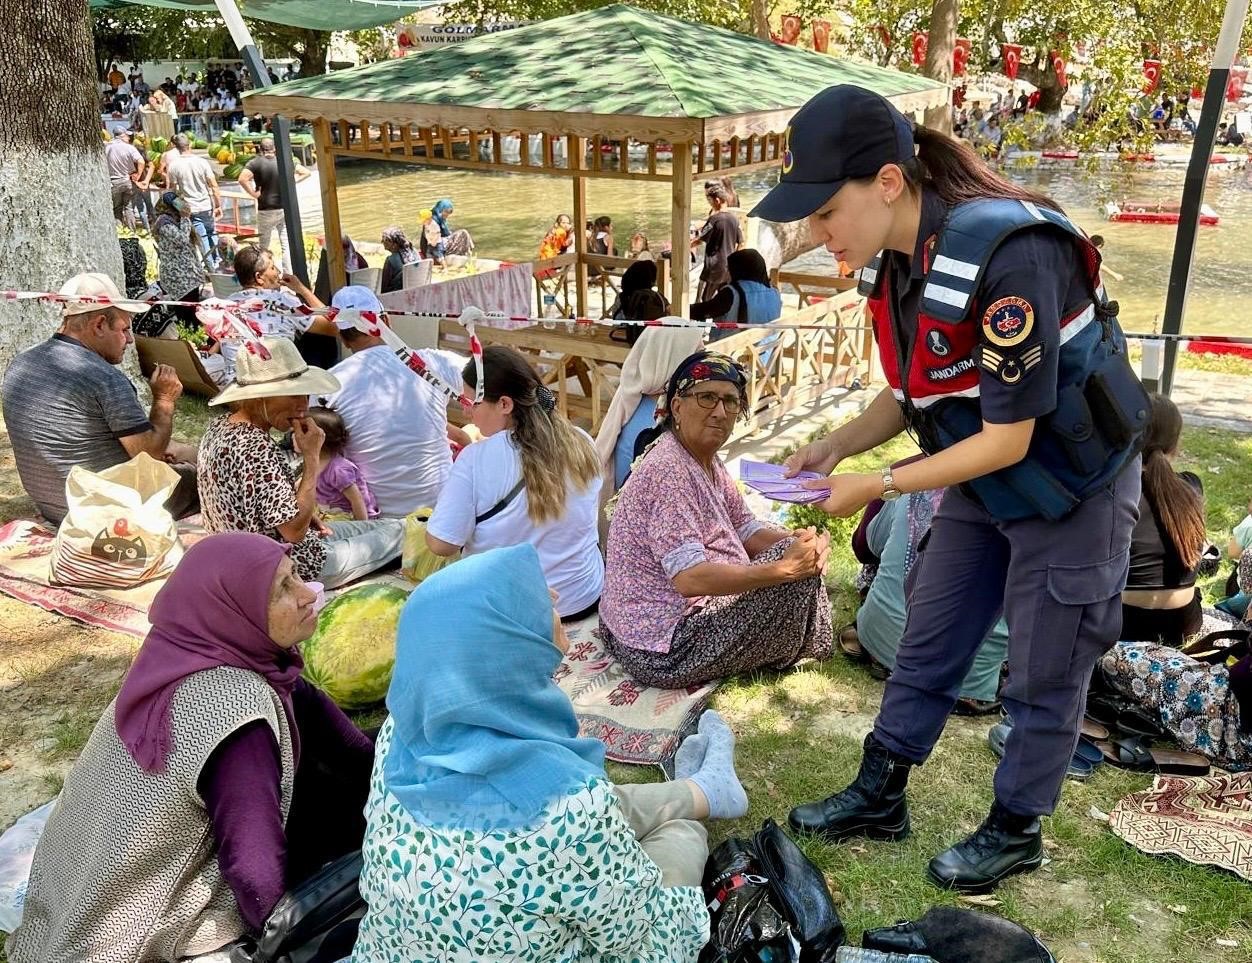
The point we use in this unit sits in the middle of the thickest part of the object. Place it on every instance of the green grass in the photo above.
(799, 739)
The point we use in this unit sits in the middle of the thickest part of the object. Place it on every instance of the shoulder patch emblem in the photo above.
(1008, 321)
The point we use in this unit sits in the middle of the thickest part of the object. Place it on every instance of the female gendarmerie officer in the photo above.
(1005, 361)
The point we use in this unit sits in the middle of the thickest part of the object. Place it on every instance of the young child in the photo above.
(341, 487)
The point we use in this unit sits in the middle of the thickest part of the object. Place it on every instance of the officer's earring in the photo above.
(887, 200)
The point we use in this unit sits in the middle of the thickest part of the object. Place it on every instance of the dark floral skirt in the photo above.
(767, 628)
(1193, 699)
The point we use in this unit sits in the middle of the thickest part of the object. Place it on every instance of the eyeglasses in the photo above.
(709, 399)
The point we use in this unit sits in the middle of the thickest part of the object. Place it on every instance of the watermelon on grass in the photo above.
(352, 653)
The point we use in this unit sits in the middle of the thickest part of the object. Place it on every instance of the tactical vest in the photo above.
(1102, 409)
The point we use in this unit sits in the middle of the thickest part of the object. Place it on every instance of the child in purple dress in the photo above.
(341, 487)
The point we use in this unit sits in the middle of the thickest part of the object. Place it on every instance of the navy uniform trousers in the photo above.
(1058, 585)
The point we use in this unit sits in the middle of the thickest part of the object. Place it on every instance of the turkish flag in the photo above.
(1151, 75)
(1058, 67)
(1234, 86)
(821, 35)
(920, 41)
(791, 27)
(1012, 55)
(960, 56)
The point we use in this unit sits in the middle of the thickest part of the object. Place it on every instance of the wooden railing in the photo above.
(788, 368)
(810, 287)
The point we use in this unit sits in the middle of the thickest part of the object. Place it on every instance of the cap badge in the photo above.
(788, 158)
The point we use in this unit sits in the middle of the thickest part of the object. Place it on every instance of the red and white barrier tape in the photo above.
(230, 318)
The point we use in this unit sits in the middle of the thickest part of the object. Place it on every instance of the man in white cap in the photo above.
(66, 404)
(398, 432)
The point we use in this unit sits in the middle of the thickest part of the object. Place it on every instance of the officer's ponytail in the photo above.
(956, 173)
(1178, 507)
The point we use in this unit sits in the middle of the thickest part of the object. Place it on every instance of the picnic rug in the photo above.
(638, 724)
(1203, 819)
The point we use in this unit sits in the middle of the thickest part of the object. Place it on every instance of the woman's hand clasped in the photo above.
(806, 556)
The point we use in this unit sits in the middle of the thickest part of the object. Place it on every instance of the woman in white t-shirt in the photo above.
(534, 478)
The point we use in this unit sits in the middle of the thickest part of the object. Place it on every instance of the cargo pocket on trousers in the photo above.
(1079, 618)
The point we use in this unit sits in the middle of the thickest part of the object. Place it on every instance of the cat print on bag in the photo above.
(118, 547)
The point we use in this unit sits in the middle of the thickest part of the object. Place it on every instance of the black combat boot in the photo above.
(874, 805)
(1003, 845)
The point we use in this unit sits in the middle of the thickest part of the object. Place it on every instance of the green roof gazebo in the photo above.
(634, 87)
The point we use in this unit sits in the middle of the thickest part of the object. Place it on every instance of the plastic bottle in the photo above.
(550, 310)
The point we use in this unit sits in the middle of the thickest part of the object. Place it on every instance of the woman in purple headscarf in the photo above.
(188, 813)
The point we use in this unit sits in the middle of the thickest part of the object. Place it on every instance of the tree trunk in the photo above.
(313, 56)
(759, 13)
(938, 66)
(54, 192)
(1043, 76)
(781, 243)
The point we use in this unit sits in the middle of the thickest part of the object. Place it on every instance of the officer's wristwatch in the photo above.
(889, 492)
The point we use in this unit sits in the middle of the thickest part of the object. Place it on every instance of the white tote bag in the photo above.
(117, 533)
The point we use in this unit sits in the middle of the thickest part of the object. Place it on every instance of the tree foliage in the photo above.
(137, 34)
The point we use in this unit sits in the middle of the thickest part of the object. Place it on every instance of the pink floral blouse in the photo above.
(669, 517)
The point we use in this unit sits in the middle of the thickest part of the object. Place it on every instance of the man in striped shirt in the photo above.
(66, 403)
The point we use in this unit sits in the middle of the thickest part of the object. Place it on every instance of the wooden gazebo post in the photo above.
(680, 231)
(574, 155)
(332, 227)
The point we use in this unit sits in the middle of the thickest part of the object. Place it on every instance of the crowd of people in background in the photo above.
(217, 89)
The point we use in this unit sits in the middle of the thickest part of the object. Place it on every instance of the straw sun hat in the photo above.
(282, 374)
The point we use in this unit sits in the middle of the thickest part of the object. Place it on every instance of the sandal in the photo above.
(1135, 754)
(1095, 731)
(1088, 750)
(1080, 765)
(850, 644)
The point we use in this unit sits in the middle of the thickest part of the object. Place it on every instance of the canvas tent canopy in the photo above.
(609, 92)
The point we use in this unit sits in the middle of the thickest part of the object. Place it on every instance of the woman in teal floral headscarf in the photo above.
(493, 832)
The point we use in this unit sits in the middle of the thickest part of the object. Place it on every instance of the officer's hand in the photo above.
(819, 456)
(848, 493)
(805, 556)
(165, 384)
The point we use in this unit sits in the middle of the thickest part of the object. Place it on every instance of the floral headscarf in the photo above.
(707, 366)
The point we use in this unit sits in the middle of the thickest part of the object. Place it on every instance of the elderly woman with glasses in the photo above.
(696, 587)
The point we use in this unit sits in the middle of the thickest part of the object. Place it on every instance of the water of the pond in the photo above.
(509, 213)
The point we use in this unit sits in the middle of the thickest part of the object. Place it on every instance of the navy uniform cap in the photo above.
(845, 132)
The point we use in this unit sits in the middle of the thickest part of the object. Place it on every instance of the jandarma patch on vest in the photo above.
(938, 344)
(1010, 369)
(1008, 321)
(950, 371)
